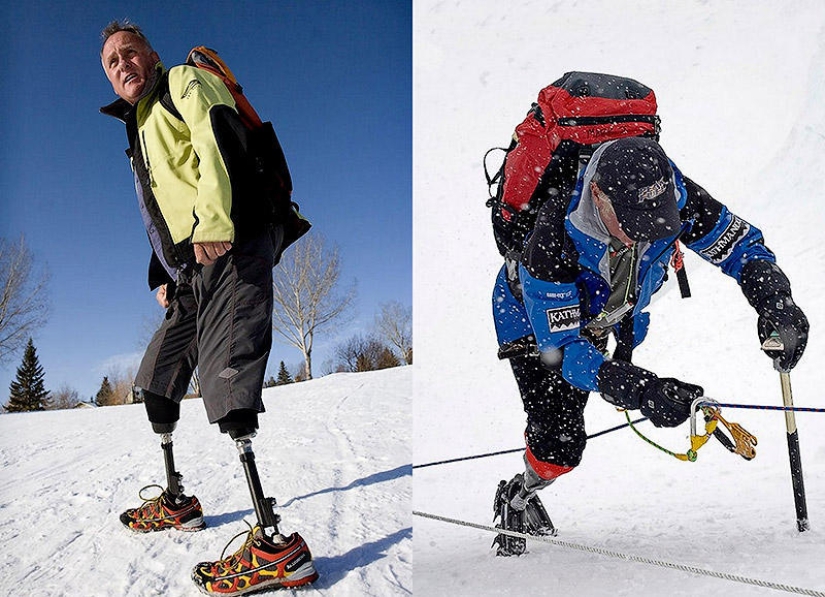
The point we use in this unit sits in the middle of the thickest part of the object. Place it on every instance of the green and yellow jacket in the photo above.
(192, 172)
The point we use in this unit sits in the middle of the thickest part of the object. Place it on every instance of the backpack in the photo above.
(571, 117)
(562, 129)
(270, 164)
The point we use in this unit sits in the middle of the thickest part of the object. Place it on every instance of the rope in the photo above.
(628, 557)
(514, 450)
(689, 455)
(630, 424)
(803, 409)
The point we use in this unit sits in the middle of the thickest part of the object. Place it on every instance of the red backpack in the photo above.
(568, 121)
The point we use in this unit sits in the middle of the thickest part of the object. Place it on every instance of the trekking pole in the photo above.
(774, 344)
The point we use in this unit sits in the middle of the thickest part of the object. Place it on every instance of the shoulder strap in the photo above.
(165, 98)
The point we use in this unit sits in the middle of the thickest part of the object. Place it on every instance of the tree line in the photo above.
(309, 297)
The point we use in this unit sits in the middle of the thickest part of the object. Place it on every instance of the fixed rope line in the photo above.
(799, 409)
(622, 426)
(628, 557)
(514, 450)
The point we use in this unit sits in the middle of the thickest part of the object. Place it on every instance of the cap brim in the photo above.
(652, 223)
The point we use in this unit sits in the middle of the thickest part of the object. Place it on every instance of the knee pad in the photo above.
(238, 423)
(163, 413)
(539, 474)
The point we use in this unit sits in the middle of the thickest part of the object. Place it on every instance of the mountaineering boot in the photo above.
(536, 519)
(181, 512)
(519, 509)
(510, 519)
(260, 564)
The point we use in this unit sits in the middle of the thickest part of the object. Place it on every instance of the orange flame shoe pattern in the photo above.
(258, 565)
(161, 513)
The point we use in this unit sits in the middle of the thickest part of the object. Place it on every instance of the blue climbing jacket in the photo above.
(551, 313)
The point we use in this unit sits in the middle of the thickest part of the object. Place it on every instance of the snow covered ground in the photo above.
(741, 89)
(335, 453)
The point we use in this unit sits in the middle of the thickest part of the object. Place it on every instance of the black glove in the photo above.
(767, 289)
(665, 401)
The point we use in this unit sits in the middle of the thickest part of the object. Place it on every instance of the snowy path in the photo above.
(335, 453)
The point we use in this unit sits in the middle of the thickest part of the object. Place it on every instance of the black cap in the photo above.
(636, 176)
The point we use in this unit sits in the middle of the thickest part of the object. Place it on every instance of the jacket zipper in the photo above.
(146, 159)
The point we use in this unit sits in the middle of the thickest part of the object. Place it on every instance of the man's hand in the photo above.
(787, 321)
(769, 292)
(208, 253)
(161, 297)
(665, 401)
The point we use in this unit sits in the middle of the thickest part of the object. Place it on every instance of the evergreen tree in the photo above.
(283, 376)
(27, 391)
(105, 394)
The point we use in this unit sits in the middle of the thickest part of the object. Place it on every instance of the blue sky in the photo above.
(335, 77)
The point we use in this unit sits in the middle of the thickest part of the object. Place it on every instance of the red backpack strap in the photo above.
(678, 264)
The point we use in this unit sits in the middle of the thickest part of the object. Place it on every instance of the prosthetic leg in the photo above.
(267, 559)
(171, 509)
(242, 426)
(163, 415)
(174, 485)
(264, 506)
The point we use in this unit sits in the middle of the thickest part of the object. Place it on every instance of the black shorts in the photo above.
(219, 321)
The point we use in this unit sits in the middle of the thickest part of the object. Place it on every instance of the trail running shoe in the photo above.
(259, 565)
(164, 512)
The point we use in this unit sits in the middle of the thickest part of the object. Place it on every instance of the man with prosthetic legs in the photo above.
(214, 240)
(587, 271)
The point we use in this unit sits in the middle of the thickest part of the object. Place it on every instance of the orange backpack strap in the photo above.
(208, 59)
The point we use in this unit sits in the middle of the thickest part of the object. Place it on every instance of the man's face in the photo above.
(608, 215)
(129, 64)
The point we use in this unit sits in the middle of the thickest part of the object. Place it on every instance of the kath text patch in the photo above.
(563, 318)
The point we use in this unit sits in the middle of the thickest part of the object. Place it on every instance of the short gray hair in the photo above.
(124, 25)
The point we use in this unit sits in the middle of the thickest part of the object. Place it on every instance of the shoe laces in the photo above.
(152, 504)
(224, 564)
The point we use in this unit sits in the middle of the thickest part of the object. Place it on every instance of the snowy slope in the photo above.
(740, 88)
(334, 452)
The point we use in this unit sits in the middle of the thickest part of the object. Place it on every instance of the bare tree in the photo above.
(64, 397)
(307, 294)
(23, 302)
(116, 387)
(394, 324)
(361, 353)
(121, 380)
